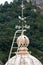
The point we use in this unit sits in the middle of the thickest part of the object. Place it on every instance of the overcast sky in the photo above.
(3, 1)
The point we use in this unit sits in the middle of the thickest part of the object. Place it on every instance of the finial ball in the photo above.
(23, 40)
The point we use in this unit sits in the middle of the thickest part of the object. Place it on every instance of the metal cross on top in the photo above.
(22, 18)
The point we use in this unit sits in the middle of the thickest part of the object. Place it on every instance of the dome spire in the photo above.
(22, 40)
(22, 14)
(22, 18)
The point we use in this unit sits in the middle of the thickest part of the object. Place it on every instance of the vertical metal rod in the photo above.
(22, 16)
(22, 8)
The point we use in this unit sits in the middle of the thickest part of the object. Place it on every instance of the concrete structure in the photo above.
(38, 3)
